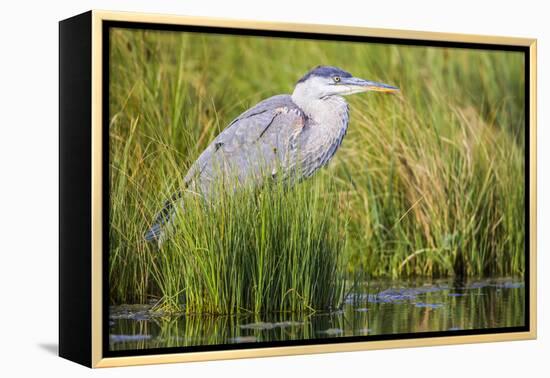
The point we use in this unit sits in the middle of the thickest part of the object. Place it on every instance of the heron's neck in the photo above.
(325, 129)
(324, 110)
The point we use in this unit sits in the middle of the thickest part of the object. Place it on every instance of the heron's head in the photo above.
(324, 81)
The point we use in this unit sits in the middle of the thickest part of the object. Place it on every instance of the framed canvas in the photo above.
(235, 189)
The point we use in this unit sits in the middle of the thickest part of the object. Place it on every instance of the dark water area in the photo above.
(387, 307)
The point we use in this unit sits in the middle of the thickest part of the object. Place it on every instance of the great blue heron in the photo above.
(275, 137)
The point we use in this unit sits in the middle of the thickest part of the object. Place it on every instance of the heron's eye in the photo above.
(336, 79)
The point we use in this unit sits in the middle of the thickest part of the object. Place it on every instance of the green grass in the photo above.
(272, 250)
(427, 183)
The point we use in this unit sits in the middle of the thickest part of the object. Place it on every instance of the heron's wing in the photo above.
(253, 146)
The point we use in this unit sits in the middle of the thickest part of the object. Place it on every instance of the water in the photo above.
(389, 307)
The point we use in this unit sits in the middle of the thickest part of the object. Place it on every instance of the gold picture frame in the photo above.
(82, 234)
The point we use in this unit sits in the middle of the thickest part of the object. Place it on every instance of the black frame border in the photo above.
(108, 24)
(75, 181)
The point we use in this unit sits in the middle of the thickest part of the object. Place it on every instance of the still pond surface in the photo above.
(389, 307)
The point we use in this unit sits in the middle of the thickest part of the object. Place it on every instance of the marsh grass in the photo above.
(276, 249)
(427, 183)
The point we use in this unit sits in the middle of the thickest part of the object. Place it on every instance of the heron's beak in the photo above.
(360, 85)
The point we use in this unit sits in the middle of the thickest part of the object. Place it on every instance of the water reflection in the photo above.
(388, 307)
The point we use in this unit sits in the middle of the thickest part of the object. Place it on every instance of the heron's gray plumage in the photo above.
(254, 144)
(284, 136)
